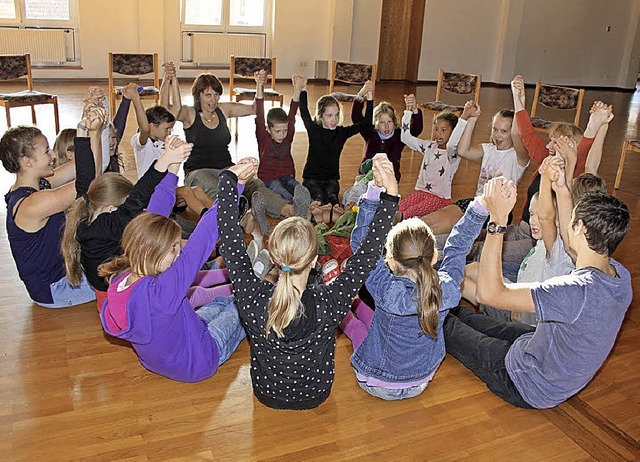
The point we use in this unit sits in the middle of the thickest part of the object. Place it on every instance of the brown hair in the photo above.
(293, 247)
(412, 245)
(277, 115)
(323, 103)
(63, 145)
(384, 108)
(200, 84)
(447, 116)
(558, 129)
(16, 143)
(146, 240)
(107, 189)
(585, 183)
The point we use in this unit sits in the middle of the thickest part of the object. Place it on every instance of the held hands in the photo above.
(410, 103)
(471, 109)
(499, 197)
(94, 119)
(260, 77)
(601, 113)
(299, 82)
(175, 151)
(95, 98)
(567, 148)
(547, 172)
(367, 90)
(130, 91)
(245, 169)
(517, 89)
(169, 70)
(384, 175)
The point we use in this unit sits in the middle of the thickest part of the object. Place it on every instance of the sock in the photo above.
(199, 296)
(210, 278)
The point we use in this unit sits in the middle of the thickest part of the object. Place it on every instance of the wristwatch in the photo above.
(495, 228)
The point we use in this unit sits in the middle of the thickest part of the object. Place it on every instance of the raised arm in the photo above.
(131, 92)
(170, 90)
(406, 135)
(563, 191)
(601, 114)
(499, 197)
(470, 114)
(546, 208)
(260, 78)
(304, 110)
(367, 121)
(536, 147)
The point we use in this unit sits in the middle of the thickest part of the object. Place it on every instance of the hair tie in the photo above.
(86, 198)
(285, 268)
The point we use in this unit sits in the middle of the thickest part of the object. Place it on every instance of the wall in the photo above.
(365, 35)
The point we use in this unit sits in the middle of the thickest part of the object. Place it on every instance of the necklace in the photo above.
(214, 116)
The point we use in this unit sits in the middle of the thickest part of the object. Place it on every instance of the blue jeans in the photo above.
(391, 394)
(223, 322)
(65, 295)
(283, 185)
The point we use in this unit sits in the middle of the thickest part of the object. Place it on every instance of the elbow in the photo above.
(486, 295)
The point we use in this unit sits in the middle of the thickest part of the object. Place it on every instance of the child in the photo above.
(399, 347)
(439, 163)
(154, 124)
(384, 135)
(147, 302)
(96, 221)
(326, 139)
(504, 156)
(35, 206)
(292, 326)
(580, 313)
(63, 146)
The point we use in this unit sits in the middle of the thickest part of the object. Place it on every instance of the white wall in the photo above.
(365, 35)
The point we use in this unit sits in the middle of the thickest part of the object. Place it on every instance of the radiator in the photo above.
(216, 48)
(44, 45)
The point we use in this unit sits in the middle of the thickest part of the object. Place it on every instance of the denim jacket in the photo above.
(396, 349)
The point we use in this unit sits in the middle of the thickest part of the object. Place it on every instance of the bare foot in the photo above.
(326, 213)
(337, 212)
(316, 211)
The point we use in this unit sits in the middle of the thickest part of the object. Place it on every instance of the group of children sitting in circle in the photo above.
(77, 233)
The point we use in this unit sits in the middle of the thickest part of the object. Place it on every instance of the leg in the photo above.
(443, 220)
(364, 313)
(65, 295)
(259, 212)
(332, 191)
(199, 296)
(276, 185)
(508, 331)
(484, 356)
(354, 329)
(224, 326)
(210, 278)
(206, 178)
(274, 202)
(301, 201)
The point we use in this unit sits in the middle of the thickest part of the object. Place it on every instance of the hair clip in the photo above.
(286, 269)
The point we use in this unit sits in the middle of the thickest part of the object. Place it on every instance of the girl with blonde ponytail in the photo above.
(399, 346)
(292, 325)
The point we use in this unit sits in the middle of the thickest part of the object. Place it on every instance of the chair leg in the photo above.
(625, 146)
(56, 116)
(6, 108)
(33, 114)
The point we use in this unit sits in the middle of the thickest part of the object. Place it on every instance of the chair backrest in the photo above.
(558, 98)
(244, 67)
(351, 73)
(16, 66)
(133, 64)
(459, 83)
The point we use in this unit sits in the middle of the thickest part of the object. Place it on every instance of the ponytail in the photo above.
(429, 298)
(77, 213)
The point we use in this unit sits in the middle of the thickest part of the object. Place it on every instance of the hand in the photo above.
(175, 151)
(567, 148)
(130, 91)
(95, 98)
(384, 175)
(471, 109)
(499, 197)
(548, 173)
(95, 119)
(260, 77)
(517, 89)
(601, 113)
(559, 174)
(245, 169)
(169, 70)
(410, 103)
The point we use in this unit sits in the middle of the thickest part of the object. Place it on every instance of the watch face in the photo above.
(494, 228)
(491, 227)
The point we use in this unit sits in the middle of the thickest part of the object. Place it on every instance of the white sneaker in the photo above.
(252, 250)
(263, 264)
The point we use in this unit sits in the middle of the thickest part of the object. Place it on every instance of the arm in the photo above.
(407, 138)
(364, 123)
(291, 126)
(518, 145)
(85, 165)
(170, 90)
(546, 209)
(601, 114)
(499, 197)
(164, 195)
(594, 157)
(563, 196)
(131, 92)
(120, 120)
(356, 110)
(417, 125)
(465, 150)
(304, 111)
(237, 109)
(532, 142)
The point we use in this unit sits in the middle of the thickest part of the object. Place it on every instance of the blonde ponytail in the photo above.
(77, 213)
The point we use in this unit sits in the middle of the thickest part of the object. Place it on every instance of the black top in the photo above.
(210, 145)
(100, 240)
(325, 146)
(296, 371)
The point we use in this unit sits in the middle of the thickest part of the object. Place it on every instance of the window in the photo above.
(37, 12)
(225, 15)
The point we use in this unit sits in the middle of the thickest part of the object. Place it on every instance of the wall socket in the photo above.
(304, 64)
(608, 29)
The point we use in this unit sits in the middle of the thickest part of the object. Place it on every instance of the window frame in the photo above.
(225, 27)
(21, 20)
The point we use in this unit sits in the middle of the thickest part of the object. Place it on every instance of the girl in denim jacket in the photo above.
(398, 348)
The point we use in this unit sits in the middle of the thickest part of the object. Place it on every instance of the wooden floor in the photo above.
(69, 393)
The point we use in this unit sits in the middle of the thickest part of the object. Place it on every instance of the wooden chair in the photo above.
(133, 64)
(17, 66)
(243, 67)
(350, 74)
(458, 83)
(557, 98)
(633, 145)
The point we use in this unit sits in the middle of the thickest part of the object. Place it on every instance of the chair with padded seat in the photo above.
(633, 145)
(350, 74)
(133, 64)
(15, 67)
(557, 98)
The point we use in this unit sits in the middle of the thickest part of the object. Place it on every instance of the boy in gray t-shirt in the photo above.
(580, 313)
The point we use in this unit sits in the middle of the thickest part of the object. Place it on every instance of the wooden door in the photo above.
(400, 39)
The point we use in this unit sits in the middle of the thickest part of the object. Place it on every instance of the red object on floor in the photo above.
(101, 297)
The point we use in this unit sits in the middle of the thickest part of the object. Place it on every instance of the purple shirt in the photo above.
(580, 315)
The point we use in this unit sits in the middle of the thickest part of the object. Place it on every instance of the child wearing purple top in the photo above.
(579, 314)
(147, 302)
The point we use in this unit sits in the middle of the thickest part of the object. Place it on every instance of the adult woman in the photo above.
(35, 207)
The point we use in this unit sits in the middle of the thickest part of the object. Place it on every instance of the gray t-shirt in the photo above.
(536, 267)
(580, 316)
